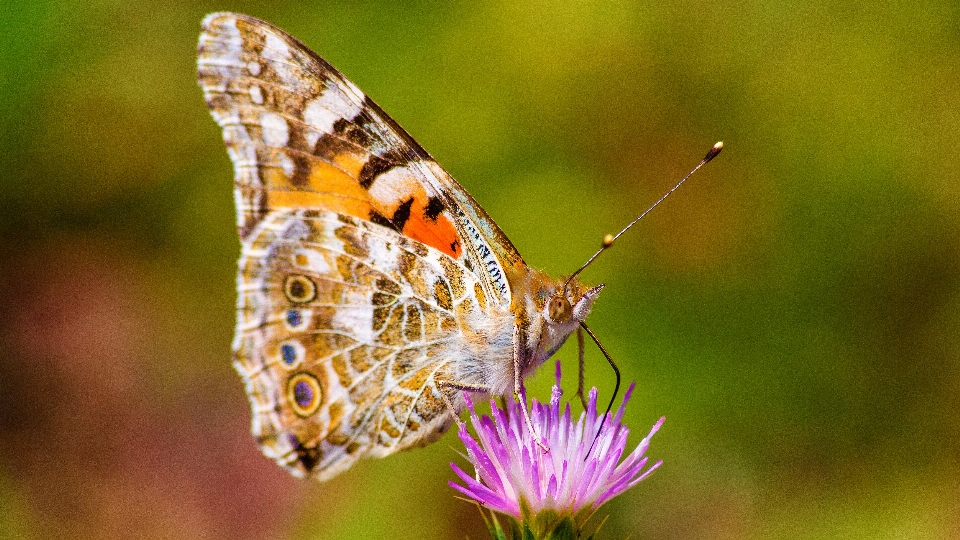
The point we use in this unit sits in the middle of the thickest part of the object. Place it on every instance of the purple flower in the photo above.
(515, 477)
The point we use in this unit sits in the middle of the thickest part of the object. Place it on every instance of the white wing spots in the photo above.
(311, 137)
(286, 164)
(254, 68)
(324, 111)
(256, 95)
(395, 185)
(276, 133)
(311, 260)
(383, 256)
(239, 144)
(277, 52)
(319, 116)
(356, 91)
(275, 48)
(357, 323)
(233, 40)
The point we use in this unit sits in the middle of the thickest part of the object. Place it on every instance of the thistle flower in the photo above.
(562, 488)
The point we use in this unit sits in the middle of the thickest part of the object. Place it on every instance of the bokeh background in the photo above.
(793, 311)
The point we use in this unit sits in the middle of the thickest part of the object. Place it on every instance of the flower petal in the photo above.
(512, 472)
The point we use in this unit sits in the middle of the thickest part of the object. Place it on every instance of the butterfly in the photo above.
(373, 290)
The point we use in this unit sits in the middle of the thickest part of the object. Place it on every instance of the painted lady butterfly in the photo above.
(372, 288)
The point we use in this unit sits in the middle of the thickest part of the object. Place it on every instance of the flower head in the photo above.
(515, 477)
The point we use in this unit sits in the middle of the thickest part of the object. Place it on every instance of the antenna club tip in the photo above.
(608, 240)
(713, 151)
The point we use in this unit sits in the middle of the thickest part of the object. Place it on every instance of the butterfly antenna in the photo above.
(609, 239)
(616, 388)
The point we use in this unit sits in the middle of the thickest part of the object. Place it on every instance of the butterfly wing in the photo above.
(302, 136)
(367, 276)
(345, 331)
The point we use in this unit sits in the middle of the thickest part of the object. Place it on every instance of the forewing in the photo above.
(302, 136)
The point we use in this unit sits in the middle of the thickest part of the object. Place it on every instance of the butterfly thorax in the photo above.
(547, 311)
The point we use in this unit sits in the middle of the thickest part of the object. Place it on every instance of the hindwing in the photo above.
(345, 331)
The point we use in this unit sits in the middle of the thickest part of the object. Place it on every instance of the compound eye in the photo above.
(559, 309)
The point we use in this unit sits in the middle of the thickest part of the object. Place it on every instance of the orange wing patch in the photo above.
(302, 136)
(438, 232)
(394, 199)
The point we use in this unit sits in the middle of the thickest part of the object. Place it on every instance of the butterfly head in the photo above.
(570, 304)
(565, 306)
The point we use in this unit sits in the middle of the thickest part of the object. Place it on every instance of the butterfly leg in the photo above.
(518, 390)
(448, 387)
(580, 380)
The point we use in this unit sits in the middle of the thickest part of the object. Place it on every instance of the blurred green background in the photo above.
(793, 311)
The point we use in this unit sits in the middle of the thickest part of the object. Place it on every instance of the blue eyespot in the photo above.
(303, 393)
(294, 318)
(288, 353)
